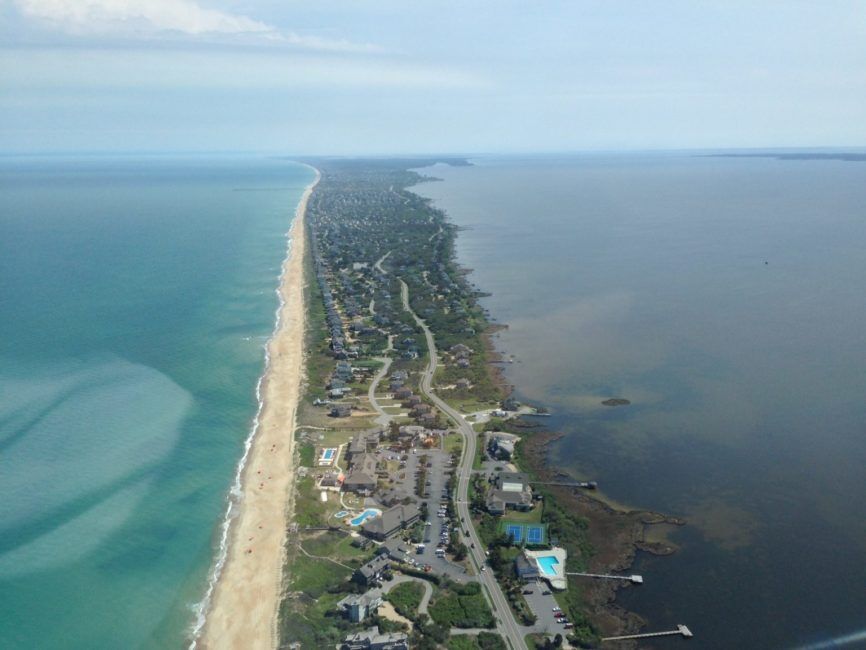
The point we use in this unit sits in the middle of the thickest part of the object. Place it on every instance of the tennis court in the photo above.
(535, 534)
(515, 532)
(529, 533)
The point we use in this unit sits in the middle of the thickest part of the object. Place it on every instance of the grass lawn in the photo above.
(530, 517)
(313, 576)
(406, 597)
(309, 510)
(453, 442)
(307, 453)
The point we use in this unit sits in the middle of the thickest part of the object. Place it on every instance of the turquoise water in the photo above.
(547, 564)
(136, 297)
(724, 297)
(364, 516)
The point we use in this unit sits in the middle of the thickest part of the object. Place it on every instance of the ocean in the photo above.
(136, 298)
(724, 297)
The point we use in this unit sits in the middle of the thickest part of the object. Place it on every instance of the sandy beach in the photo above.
(246, 596)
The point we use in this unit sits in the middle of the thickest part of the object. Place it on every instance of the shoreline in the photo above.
(241, 603)
(618, 531)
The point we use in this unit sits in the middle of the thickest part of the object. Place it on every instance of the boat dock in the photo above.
(682, 630)
(588, 485)
(635, 579)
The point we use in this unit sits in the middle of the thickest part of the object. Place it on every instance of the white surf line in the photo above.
(236, 492)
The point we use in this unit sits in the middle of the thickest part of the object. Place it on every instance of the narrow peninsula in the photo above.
(425, 513)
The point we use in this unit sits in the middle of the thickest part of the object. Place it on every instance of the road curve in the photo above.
(507, 624)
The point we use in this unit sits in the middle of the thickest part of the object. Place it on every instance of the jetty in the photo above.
(635, 579)
(681, 630)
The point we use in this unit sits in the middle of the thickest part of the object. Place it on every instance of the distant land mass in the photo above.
(848, 157)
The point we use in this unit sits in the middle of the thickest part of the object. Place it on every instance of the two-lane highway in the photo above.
(507, 624)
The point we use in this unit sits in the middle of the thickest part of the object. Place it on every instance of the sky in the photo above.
(395, 76)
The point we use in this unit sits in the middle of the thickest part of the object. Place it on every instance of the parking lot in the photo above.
(542, 602)
(437, 465)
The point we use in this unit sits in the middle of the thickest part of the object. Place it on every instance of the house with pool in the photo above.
(548, 565)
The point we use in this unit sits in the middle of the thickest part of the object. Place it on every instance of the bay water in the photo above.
(725, 298)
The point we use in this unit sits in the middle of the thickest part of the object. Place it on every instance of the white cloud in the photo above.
(149, 18)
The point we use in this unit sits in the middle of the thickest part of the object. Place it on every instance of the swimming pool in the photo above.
(341, 514)
(364, 516)
(328, 456)
(547, 564)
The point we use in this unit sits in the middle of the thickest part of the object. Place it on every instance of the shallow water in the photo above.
(724, 298)
(137, 296)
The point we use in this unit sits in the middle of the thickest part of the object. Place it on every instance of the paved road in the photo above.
(507, 624)
(383, 418)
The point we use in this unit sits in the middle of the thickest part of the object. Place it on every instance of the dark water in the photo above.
(726, 298)
(135, 300)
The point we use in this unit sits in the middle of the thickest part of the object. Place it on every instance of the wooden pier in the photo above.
(635, 579)
(682, 630)
(587, 485)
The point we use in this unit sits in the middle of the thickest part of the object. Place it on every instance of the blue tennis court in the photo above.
(535, 534)
(519, 533)
(515, 532)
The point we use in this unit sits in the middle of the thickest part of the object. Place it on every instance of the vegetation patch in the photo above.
(481, 641)
(406, 597)
(462, 606)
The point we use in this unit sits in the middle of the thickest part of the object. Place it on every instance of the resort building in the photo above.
(370, 572)
(548, 565)
(501, 445)
(511, 490)
(362, 478)
(391, 522)
(357, 607)
(340, 411)
(358, 445)
(372, 639)
(331, 481)
(396, 550)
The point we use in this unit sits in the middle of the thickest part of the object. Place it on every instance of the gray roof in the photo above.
(373, 567)
(511, 477)
(391, 519)
(366, 599)
(509, 498)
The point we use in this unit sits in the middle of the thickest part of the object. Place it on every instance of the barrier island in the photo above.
(427, 513)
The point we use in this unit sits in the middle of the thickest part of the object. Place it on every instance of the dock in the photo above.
(635, 579)
(588, 485)
(681, 630)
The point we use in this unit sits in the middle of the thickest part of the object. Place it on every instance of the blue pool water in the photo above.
(547, 564)
(341, 514)
(364, 516)
(328, 454)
